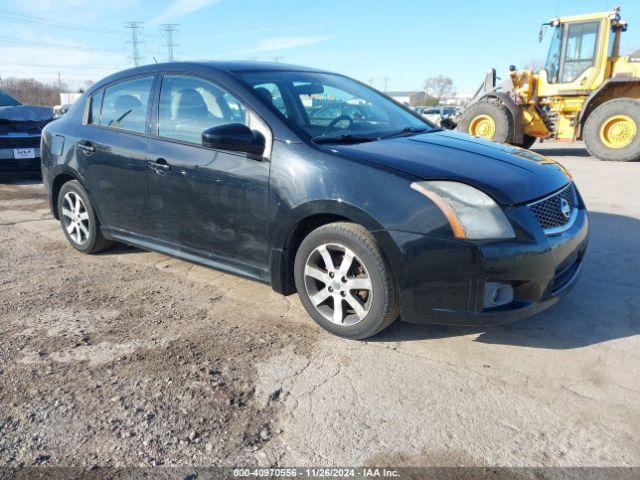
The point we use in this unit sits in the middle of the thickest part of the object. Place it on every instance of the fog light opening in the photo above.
(496, 294)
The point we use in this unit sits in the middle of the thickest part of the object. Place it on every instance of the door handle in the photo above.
(160, 166)
(86, 147)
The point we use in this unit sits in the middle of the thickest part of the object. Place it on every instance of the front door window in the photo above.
(189, 106)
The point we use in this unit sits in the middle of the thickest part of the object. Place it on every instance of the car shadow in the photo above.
(7, 179)
(561, 152)
(119, 249)
(603, 306)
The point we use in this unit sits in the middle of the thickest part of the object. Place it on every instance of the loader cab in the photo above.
(578, 60)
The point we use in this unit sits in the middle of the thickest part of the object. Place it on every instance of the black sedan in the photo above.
(223, 164)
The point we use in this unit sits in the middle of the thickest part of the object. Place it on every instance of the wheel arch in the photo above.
(58, 180)
(61, 176)
(613, 88)
(306, 218)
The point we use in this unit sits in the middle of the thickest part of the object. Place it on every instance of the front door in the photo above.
(211, 202)
(111, 151)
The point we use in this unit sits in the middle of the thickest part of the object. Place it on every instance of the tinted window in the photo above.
(189, 106)
(125, 104)
(271, 93)
(327, 106)
(94, 108)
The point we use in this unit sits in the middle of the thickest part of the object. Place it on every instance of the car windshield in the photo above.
(7, 101)
(328, 107)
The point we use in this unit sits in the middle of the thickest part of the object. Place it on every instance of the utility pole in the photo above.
(386, 84)
(59, 83)
(168, 29)
(136, 28)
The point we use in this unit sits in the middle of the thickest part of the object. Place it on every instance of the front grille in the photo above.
(548, 211)
(19, 142)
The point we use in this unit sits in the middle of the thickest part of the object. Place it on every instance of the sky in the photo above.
(393, 45)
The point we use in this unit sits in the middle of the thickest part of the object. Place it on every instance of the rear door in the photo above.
(211, 201)
(111, 152)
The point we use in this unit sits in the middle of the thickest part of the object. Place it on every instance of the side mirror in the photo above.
(234, 137)
(448, 123)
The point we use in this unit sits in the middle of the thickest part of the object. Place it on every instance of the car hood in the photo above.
(26, 113)
(511, 175)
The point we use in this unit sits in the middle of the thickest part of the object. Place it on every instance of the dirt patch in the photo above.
(109, 362)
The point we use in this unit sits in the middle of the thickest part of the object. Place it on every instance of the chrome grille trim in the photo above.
(548, 214)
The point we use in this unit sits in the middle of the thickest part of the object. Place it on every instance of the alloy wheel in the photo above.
(76, 217)
(338, 284)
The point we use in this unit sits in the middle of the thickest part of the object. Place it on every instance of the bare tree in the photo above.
(32, 92)
(439, 87)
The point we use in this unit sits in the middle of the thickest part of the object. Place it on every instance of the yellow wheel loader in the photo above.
(585, 91)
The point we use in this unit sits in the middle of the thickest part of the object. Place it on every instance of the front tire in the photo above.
(344, 282)
(487, 119)
(78, 219)
(612, 131)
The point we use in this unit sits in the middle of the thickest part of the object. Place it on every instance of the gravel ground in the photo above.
(131, 358)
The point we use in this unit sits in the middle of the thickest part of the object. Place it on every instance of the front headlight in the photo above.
(472, 214)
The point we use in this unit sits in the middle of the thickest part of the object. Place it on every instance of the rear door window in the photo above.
(125, 105)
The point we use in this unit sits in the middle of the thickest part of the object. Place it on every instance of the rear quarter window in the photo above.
(95, 104)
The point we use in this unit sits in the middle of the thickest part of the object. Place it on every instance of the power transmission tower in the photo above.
(168, 29)
(134, 41)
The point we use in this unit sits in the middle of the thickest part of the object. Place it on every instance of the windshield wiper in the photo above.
(411, 131)
(345, 138)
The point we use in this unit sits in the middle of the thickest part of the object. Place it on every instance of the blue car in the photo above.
(20, 130)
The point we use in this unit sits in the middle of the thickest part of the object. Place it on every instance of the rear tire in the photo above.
(363, 291)
(612, 131)
(78, 219)
(487, 119)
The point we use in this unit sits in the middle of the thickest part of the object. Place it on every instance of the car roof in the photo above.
(228, 66)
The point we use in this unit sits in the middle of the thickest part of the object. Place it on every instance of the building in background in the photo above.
(458, 100)
(407, 97)
(69, 98)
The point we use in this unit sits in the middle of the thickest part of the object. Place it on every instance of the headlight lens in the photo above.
(472, 214)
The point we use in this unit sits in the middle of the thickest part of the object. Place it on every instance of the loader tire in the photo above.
(612, 131)
(527, 141)
(488, 119)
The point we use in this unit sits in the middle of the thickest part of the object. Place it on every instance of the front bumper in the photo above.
(19, 166)
(443, 281)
